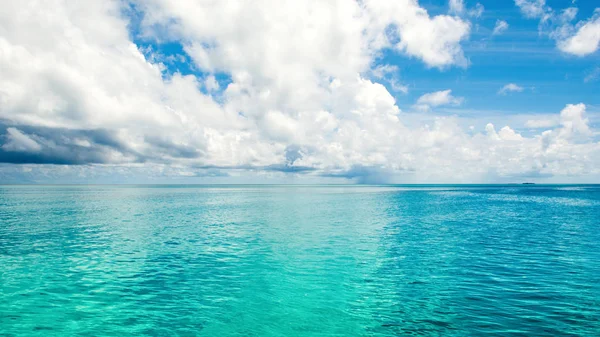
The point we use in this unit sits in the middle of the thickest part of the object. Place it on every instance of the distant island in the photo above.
(528, 183)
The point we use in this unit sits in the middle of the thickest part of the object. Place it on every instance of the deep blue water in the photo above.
(300, 260)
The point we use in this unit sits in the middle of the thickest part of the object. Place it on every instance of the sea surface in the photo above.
(513, 260)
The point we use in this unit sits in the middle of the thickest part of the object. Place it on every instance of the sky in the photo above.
(287, 91)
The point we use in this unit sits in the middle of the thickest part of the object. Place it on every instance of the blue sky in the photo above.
(520, 55)
(303, 92)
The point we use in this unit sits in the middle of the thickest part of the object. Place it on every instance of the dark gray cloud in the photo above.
(26, 144)
(171, 149)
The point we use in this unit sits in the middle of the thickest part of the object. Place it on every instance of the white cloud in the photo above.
(532, 8)
(435, 40)
(506, 133)
(501, 27)
(389, 73)
(280, 127)
(511, 87)
(573, 119)
(592, 75)
(438, 98)
(211, 84)
(541, 123)
(586, 39)
(457, 6)
(568, 14)
(383, 70)
(581, 39)
(477, 12)
(76, 87)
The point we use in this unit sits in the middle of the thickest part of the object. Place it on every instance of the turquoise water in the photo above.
(300, 261)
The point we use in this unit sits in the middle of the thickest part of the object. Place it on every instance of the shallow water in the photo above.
(300, 260)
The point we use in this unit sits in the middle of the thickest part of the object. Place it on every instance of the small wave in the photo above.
(572, 188)
(543, 200)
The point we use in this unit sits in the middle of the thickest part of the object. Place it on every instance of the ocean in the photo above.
(467, 260)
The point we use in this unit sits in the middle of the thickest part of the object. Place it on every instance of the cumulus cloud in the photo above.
(438, 98)
(573, 119)
(511, 87)
(410, 29)
(302, 94)
(586, 38)
(500, 28)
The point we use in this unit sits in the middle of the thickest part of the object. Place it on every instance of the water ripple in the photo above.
(300, 261)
